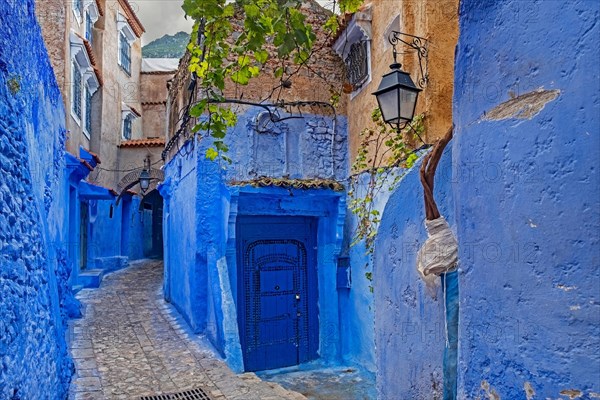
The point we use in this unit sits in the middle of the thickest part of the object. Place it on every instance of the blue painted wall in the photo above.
(527, 195)
(201, 209)
(182, 286)
(34, 271)
(357, 308)
(357, 336)
(132, 229)
(409, 316)
(104, 232)
(115, 233)
(115, 239)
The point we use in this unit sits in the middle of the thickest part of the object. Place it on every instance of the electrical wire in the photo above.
(125, 170)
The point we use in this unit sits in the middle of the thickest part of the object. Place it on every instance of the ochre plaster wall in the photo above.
(435, 20)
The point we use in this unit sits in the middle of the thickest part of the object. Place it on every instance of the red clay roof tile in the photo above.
(154, 142)
(133, 20)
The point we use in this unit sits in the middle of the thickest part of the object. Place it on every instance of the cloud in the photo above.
(161, 17)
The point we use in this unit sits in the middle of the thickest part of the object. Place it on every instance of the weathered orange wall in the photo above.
(436, 20)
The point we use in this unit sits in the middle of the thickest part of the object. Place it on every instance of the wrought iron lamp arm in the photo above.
(417, 43)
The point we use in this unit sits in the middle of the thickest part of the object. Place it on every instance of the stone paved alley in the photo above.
(130, 344)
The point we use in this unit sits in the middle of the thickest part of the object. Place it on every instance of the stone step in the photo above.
(110, 264)
(76, 288)
(90, 278)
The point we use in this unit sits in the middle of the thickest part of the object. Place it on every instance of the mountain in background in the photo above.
(168, 46)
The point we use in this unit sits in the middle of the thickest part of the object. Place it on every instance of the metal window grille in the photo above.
(125, 51)
(127, 122)
(88, 111)
(76, 99)
(357, 63)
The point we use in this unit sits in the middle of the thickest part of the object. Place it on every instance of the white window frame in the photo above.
(87, 132)
(123, 125)
(126, 68)
(90, 8)
(125, 29)
(85, 70)
(127, 112)
(78, 13)
(76, 75)
(359, 29)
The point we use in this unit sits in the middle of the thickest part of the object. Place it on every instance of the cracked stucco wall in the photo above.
(201, 210)
(34, 296)
(526, 184)
(409, 317)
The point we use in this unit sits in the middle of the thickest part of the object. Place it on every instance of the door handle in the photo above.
(298, 297)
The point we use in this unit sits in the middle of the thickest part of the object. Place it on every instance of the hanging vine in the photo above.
(217, 56)
(383, 158)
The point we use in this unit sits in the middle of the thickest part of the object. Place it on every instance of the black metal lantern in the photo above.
(397, 97)
(144, 180)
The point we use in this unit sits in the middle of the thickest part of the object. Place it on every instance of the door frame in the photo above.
(84, 234)
(311, 275)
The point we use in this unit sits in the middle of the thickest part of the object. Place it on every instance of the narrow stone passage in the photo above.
(130, 344)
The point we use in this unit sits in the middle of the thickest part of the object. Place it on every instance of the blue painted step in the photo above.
(76, 288)
(91, 278)
(110, 264)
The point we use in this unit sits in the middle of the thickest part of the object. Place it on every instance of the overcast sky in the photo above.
(161, 17)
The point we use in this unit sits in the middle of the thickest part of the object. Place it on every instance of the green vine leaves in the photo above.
(233, 41)
(383, 158)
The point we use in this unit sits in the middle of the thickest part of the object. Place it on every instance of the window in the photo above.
(124, 53)
(76, 91)
(126, 38)
(88, 112)
(128, 115)
(89, 24)
(127, 122)
(84, 82)
(357, 64)
(78, 9)
(354, 47)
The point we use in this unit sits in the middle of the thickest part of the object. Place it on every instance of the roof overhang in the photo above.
(80, 53)
(92, 8)
(124, 27)
(129, 111)
(88, 191)
(358, 29)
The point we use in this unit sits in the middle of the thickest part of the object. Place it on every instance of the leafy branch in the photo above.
(383, 157)
(233, 42)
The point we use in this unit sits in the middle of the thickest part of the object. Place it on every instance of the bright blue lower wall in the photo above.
(357, 331)
(132, 233)
(357, 310)
(409, 317)
(527, 194)
(104, 230)
(33, 259)
(179, 232)
(201, 208)
(115, 233)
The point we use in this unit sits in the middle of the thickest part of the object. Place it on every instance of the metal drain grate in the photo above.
(194, 394)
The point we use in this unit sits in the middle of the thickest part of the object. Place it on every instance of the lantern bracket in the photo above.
(417, 43)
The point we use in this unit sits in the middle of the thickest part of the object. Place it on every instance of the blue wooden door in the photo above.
(277, 291)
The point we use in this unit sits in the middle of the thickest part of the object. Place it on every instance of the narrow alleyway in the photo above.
(130, 344)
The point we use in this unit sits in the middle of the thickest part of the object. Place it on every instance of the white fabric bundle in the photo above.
(439, 254)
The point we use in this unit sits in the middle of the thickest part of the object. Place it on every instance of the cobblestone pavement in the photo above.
(130, 343)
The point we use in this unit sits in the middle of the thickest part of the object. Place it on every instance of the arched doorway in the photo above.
(151, 208)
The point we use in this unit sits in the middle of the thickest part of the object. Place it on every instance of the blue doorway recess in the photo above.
(277, 292)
